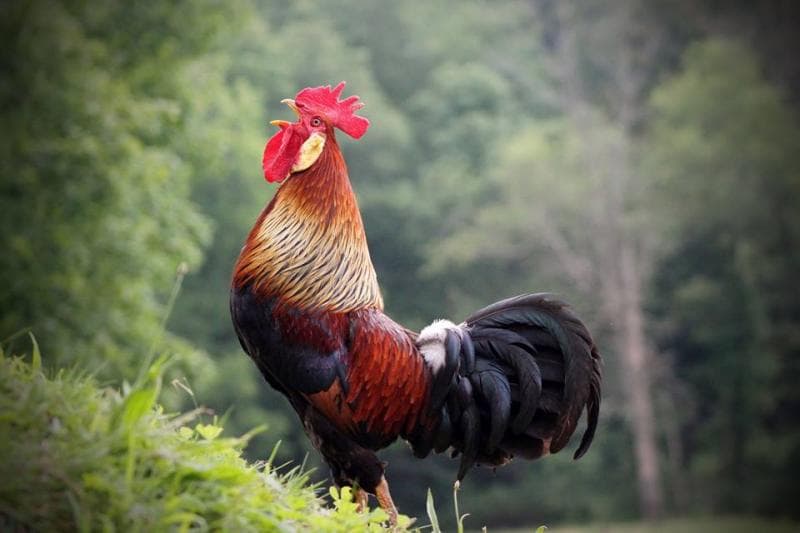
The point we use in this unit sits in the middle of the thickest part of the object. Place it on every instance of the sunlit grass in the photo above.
(78, 457)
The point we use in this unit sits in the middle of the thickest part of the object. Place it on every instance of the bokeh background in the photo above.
(639, 159)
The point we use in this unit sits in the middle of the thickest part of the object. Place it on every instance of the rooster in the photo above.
(510, 380)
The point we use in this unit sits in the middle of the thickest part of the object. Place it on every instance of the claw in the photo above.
(361, 497)
(385, 500)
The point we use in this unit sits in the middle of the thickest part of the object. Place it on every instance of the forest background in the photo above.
(639, 159)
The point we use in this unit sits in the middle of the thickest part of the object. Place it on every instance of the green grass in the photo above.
(76, 456)
(711, 524)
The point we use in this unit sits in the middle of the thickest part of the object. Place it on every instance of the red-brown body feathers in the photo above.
(387, 382)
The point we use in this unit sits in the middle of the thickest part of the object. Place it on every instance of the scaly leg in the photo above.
(361, 497)
(385, 500)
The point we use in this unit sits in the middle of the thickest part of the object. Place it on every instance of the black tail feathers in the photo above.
(516, 377)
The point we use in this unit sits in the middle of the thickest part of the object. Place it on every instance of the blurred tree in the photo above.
(768, 28)
(620, 251)
(95, 199)
(727, 153)
(566, 205)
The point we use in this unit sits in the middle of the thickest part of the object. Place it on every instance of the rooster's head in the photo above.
(298, 145)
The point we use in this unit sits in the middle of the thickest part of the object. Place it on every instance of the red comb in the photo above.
(341, 113)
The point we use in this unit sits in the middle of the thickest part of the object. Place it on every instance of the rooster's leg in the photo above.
(361, 497)
(385, 500)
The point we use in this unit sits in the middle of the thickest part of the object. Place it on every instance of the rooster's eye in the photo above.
(316, 121)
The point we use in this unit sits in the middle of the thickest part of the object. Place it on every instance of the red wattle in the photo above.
(280, 154)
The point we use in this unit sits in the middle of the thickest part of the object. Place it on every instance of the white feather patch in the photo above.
(309, 151)
(431, 343)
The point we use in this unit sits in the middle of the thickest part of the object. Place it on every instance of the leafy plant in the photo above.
(76, 456)
(434, 518)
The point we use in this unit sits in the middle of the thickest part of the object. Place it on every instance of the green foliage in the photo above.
(78, 457)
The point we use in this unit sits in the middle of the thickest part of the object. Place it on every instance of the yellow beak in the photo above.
(280, 123)
(291, 104)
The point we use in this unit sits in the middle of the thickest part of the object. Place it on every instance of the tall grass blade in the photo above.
(431, 509)
(36, 359)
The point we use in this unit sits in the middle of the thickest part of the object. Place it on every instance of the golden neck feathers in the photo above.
(308, 247)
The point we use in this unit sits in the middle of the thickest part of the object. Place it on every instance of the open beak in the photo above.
(291, 104)
(282, 124)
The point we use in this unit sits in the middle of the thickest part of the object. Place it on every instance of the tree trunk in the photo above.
(618, 252)
(633, 349)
